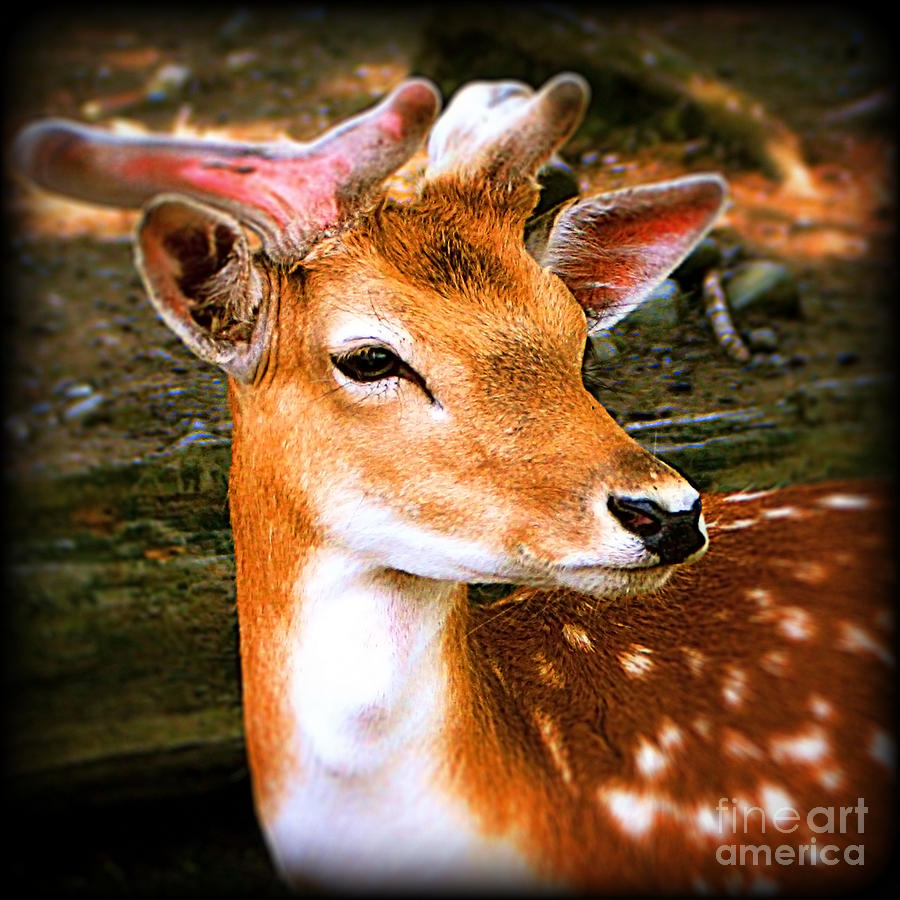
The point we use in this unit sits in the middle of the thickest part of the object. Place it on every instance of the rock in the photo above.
(659, 310)
(240, 59)
(702, 258)
(84, 407)
(763, 286)
(763, 340)
(769, 364)
(166, 82)
(603, 348)
(77, 390)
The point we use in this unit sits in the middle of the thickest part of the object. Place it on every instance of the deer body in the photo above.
(409, 417)
(530, 739)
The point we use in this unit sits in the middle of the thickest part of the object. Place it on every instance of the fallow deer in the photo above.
(409, 418)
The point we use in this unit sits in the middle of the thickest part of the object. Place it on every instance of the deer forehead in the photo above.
(464, 293)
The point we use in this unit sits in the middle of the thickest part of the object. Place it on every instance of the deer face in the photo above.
(406, 378)
(428, 372)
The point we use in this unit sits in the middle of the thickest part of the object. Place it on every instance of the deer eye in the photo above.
(371, 363)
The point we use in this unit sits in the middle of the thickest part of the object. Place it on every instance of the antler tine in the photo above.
(506, 129)
(289, 192)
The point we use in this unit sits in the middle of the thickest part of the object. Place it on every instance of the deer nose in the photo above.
(672, 536)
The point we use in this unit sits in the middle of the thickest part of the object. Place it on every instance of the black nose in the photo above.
(672, 536)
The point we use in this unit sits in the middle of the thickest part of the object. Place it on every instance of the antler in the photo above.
(610, 249)
(505, 128)
(289, 192)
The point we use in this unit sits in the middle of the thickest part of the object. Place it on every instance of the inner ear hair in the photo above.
(213, 260)
(201, 276)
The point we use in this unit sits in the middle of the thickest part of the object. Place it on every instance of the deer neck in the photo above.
(357, 693)
(367, 676)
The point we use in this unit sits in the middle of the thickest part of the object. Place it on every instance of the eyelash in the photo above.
(383, 364)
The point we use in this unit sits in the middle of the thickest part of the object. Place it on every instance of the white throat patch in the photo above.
(368, 687)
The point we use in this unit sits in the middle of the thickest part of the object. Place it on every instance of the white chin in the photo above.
(605, 582)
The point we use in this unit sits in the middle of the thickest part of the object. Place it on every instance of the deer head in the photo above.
(406, 376)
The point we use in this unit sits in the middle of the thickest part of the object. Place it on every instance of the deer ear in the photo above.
(612, 250)
(198, 269)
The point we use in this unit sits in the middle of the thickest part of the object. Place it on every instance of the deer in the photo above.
(677, 694)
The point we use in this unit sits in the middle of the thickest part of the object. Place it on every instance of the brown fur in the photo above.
(549, 718)
(712, 629)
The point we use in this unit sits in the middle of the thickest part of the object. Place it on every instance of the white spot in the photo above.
(856, 639)
(744, 497)
(883, 748)
(734, 685)
(577, 637)
(553, 742)
(649, 759)
(707, 822)
(830, 779)
(845, 501)
(781, 512)
(737, 524)
(635, 813)
(776, 800)
(775, 662)
(739, 746)
(696, 659)
(761, 596)
(702, 726)
(820, 707)
(805, 747)
(638, 812)
(795, 623)
(585, 607)
(670, 735)
(636, 661)
(810, 571)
